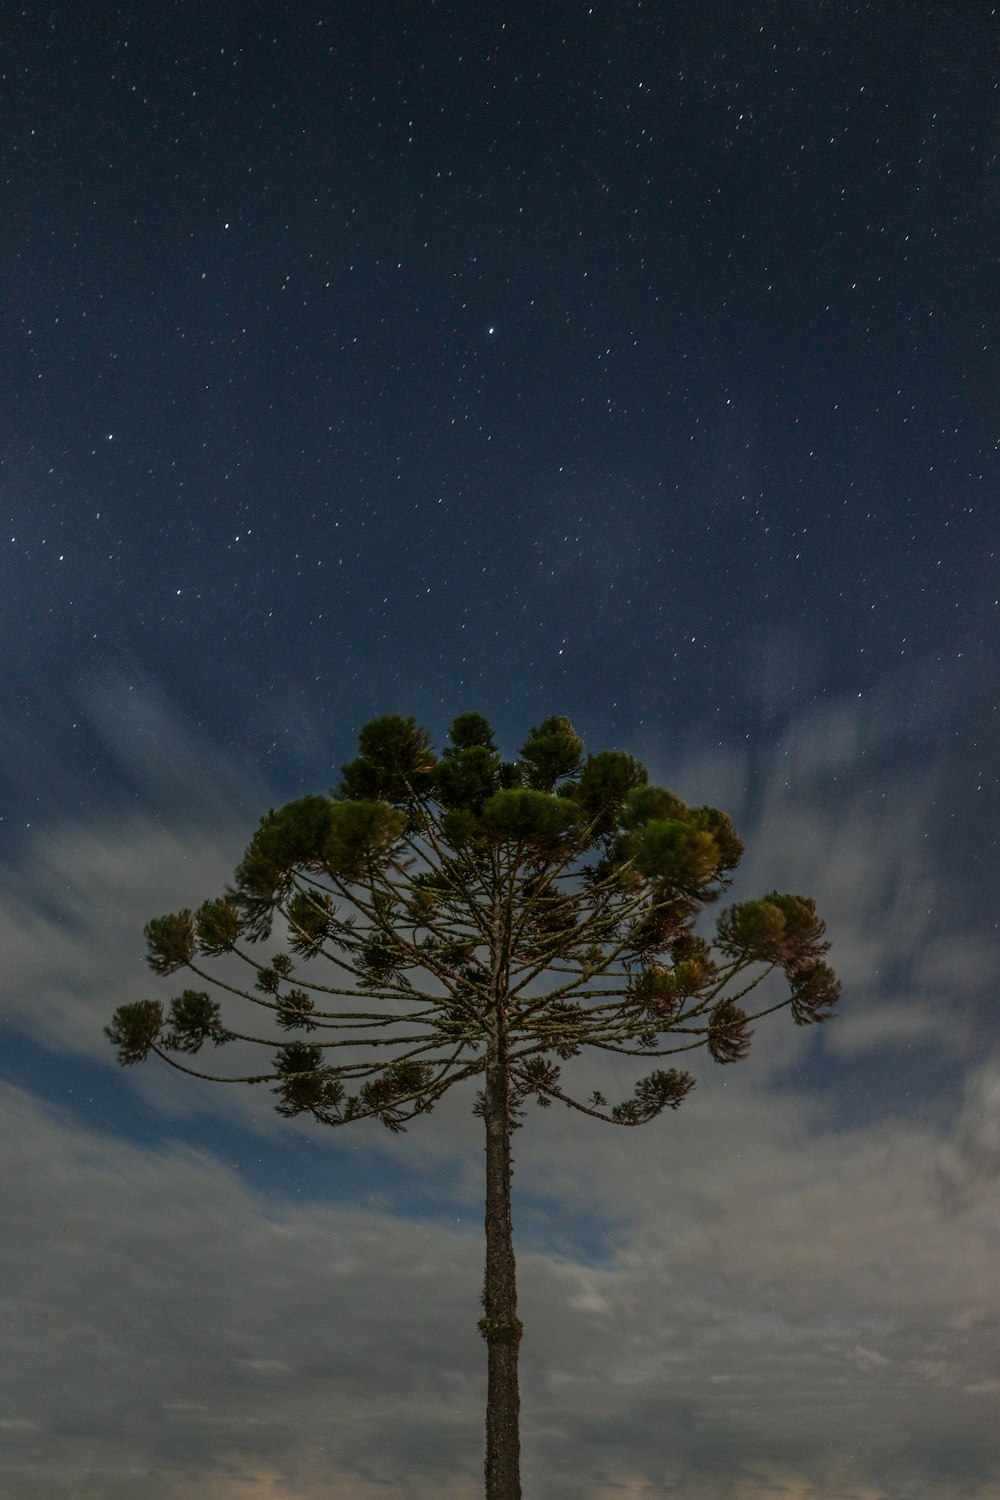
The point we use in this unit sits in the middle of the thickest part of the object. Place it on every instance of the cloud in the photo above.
(889, 1025)
(970, 1163)
(160, 1316)
(836, 807)
(168, 1330)
(77, 892)
(785, 1302)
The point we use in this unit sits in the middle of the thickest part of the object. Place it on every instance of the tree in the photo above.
(481, 920)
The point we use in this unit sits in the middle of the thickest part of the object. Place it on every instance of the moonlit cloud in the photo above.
(78, 889)
(771, 1273)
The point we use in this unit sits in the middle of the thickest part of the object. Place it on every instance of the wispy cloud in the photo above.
(789, 1305)
(763, 1303)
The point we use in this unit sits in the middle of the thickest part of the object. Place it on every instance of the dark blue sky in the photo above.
(632, 361)
(390, 355)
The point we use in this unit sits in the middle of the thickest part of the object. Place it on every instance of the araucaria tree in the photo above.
(458, 918)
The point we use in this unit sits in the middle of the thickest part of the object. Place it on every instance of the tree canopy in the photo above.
(432, 884)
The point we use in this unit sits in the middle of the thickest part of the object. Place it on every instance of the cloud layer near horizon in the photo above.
(797, 1294)
(821, 1305)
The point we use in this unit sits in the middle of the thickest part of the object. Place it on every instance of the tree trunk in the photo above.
(500, 1325)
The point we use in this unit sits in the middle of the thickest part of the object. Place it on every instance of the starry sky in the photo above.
(631, 361)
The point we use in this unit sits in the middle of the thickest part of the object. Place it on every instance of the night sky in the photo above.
(634, 362)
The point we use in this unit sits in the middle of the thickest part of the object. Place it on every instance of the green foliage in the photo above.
(306, 1087)
(464, 779)
(311, 834)
(690, 949)
(170, 942)
(294, 837)
(550, 920)
(719, 825)
(461, 827)
(752, 929)
(666, 850)
(780, 929)
(468, 732)
(537, 1076)
(664, 1089)
(501, 1331)
(666, 918)
(311, 921)
(422, 905)
(358, 835)
(395, 762)
(815, 992)
(272, 976)
(388, 1094)
(194, 1020)
(380, 961)
(551, 751)
(603, 787)
(569, 1022)
(295, 1012)
(694, 967)
(728, 1033)
(803, 933)
(217, 927)
(134, 1030)
(656, 990)
(645, 803)
(534, 818)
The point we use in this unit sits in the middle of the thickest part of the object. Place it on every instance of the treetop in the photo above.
(454, 900)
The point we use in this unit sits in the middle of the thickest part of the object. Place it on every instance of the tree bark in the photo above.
(500, 1325)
